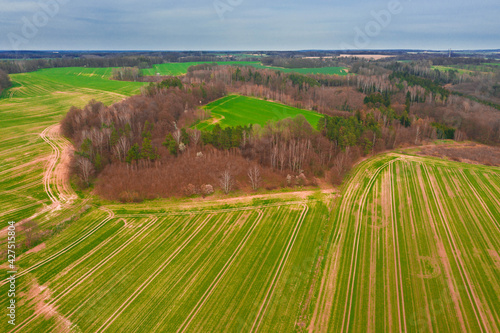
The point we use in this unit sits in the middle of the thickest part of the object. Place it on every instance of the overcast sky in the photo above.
(248, 25)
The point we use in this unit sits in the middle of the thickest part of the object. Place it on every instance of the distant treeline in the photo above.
(31, 65)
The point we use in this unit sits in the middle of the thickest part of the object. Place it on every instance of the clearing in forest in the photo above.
(234, 110)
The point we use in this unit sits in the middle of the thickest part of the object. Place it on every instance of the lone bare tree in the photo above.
(254, 176)
(226, 181)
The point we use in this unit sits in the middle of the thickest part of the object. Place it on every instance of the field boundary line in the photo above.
(146, 283)
(219, 277)
(272, 287)
(218, 211)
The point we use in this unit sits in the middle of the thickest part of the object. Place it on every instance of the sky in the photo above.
(249, 25)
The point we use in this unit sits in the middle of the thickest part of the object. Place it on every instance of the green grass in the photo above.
(175, 69)
(412, 244)
(468, 69)
(37, 100)
(447, 69)
(405, 228)
(234, 110)
(120, 259)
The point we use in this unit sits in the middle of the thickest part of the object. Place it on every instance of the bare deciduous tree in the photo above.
(177, 136)
(254, 176)
(86, 168)
(226, 181)
(195, 137)
(121, 148)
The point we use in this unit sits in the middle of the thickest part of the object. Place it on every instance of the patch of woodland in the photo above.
(145, 147)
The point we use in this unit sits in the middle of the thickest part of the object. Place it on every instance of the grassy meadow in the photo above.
(36, 101)
(181, 68)
(234, 110)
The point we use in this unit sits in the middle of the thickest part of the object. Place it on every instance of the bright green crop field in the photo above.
(416, 248)
(181, 68)
(36, 101)
(410, 244)
(234, 110)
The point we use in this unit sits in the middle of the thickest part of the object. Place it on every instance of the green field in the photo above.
(447, 69)
(415, 249)
(37, 101)
(468, 69)
(411, 243)
(175, 69)
(213, 270)
(234, 110)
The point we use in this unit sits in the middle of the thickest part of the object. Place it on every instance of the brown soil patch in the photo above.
(496, 258)
(39, 295)
(37, 248)
(470, 153)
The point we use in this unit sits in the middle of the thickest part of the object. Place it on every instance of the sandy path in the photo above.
(62, 169)
(52, 164)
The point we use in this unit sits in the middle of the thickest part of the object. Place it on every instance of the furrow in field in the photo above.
(270, 292)
(481, 201)
(397, 256)
(123, 272)
(219, 277)
(66, 249)
(416, 237)
(354, 257)
(88, 274)
(475, 302)
(162, 267)
(441, 250)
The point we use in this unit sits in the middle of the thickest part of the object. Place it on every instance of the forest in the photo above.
(146, 146)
